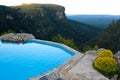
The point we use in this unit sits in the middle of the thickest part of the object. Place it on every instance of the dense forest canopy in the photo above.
(109, 38)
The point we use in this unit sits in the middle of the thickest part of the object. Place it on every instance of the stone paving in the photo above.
(78, 68)
(84, 69)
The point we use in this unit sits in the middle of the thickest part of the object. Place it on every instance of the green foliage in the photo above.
(68, 42)
(95, 47)
(106, 65)
(105, 53)
(86, 48)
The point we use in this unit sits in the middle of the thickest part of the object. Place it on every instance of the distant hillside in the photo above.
(109, 38)
(45, 21)
(101, 21)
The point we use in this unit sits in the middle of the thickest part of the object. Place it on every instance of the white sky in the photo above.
(77, 6)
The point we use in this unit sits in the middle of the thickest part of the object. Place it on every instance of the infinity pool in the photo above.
(22, 61)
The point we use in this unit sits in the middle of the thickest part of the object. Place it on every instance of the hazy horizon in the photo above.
(92, 14)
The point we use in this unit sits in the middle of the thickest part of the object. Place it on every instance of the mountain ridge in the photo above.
(101, 21)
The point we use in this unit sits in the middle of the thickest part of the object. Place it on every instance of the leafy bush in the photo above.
(96, 47)
(68, 42)
(106, 65)
(105, 53)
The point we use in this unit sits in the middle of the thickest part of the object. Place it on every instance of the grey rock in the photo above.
(117, 55)
(17, 37)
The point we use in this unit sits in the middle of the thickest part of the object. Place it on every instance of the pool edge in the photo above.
(56, 72)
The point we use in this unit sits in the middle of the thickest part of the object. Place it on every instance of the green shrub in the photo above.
(105, 53)
(68, 42)
(96, 47)
(106, 65)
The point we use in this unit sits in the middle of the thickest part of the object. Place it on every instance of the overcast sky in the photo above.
(77, 6)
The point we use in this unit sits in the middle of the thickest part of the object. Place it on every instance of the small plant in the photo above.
(105, 53)
(106, 65)
(95, 47)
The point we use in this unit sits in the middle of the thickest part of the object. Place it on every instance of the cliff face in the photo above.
(42, 10)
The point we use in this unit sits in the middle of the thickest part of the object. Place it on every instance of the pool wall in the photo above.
(58, 72)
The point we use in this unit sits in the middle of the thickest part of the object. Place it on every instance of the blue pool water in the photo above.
(22, 61)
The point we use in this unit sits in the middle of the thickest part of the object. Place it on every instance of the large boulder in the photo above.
(17, 37)
(117, 55)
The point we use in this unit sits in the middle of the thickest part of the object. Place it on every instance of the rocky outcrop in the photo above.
(43, 10)
(16, 37)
